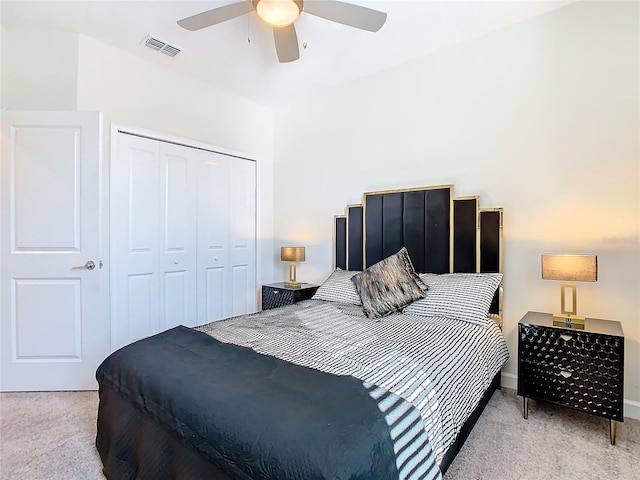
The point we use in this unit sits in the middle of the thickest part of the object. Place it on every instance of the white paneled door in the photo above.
(183, 237)
(54, 328)
(226, 262)
(153, 244)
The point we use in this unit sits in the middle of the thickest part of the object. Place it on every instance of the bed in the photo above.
(382, 374)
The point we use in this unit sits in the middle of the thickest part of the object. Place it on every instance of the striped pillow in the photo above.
(388, 285)
(464, 296)
(338, 288)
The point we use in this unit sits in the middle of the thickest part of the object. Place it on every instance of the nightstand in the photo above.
(277, 295)
(581, 369)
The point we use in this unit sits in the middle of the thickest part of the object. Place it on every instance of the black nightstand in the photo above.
(277, 295)
(581, 369)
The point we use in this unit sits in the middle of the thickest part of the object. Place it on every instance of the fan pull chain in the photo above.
(249, 27)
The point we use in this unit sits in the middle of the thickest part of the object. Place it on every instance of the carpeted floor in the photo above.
(553, 443)
(50, 436)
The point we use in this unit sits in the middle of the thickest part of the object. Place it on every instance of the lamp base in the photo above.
(292, 283)
(568, 321)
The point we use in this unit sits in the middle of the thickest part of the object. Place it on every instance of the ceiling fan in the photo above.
(280, 14)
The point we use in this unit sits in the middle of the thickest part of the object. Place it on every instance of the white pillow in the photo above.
(464, 296)
(339, 288)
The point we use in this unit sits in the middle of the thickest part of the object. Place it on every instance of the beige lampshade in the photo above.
(576, 268)
(292, 254)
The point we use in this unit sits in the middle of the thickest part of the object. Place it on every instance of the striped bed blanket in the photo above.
(439, 365)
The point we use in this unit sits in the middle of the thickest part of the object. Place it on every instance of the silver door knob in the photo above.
(90, 265)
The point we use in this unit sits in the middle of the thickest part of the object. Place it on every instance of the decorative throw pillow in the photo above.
(465, 296)
(338, 288)
(388, 285)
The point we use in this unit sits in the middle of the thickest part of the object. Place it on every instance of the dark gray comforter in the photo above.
(246, 415)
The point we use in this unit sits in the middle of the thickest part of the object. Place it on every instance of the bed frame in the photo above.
(442, 234)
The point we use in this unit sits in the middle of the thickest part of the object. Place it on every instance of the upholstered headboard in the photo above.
(442, 233)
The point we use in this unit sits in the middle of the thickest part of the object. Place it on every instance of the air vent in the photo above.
(154, 43)
(160, 46)
(170, 50)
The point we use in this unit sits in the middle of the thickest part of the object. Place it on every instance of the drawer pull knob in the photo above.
(565, 374)
(566, 338)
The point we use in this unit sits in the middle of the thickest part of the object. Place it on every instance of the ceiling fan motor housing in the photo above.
(297, 2)
(276, 8)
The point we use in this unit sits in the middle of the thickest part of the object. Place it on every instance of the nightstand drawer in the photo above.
(598, 395)
(278, 295)
(571, 349)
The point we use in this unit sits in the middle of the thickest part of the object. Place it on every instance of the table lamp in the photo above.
(293, 255)
(569, 268)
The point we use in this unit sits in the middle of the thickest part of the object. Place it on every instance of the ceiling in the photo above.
(222, 55)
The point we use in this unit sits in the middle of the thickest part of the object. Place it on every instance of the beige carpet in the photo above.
(50, 436)
(553, 443)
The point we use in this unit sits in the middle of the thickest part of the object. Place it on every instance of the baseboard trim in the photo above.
(631, 407)
(509, 380)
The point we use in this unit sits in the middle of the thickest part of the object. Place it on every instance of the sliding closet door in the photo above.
(242, 236)
(153, 238)
(183, 237)
(226, 237)
(178, 197)
(135, 220)
(213, 250)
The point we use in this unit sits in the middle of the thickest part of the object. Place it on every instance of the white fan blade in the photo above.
(286, 42)
(346, 13)
(215, 16)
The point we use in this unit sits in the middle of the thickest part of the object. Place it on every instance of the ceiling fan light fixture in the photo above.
(278, 13)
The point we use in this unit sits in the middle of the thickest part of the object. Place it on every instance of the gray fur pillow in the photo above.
(389, 285)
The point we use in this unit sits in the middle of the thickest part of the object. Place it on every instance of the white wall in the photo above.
(83, 74)
(39, 70)
(541, 118)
